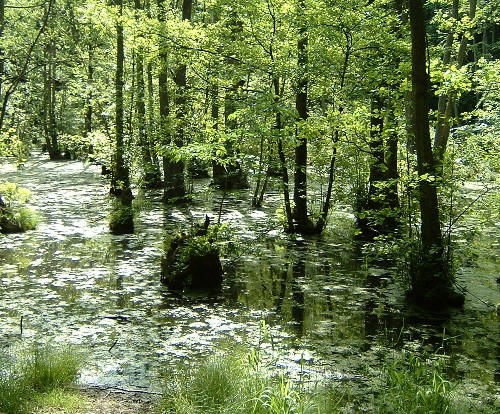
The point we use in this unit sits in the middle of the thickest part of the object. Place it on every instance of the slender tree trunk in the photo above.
(447, 103)
(22, 73)
(175, 188)
(150, 170)
(227, 173)
(431, 281)
(163, 92)
(278, 126)
(89, 110)
(2, 58)
(321, 223)
(322, 219)
(302, 222)
(391, 161)
(377, 165)
(371, 219)
(49, 101)
(121, 221)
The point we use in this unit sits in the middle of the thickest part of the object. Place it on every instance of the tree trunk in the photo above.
(391, 161)
(302, 222)
(151, 176)
(90, 80)
(227, 173)
(380, 209)
(278, 126)
(2, 60)
(122, 216)
(23, 71)
(175, 189)
(446, 103)
(431, 282)
(163, 92)
(49, 101)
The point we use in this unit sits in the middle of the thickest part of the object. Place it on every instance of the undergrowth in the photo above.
(230, 384)
(26, 376)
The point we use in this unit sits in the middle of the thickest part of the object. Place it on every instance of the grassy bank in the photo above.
(30, 375)
(237, 385)
(41, 381)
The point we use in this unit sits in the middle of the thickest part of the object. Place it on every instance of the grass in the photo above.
(60, 401)
(37, 380)
(33, 373)
(415, 385)
(234, 385)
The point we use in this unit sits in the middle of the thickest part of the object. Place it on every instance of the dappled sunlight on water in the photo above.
(326, 310)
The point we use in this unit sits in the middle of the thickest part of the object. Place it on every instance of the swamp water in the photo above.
(327, 313)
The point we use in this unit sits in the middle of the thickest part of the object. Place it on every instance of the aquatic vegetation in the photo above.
(38, 370)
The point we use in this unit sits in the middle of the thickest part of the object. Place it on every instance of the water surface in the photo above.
(325, 307)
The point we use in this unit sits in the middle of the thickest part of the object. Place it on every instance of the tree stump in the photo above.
(192, 262)
(7, 222)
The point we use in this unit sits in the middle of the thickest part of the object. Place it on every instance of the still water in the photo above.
(326, 309)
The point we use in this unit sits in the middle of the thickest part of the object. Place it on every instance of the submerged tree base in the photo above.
(9, 226)
(121, 220)
(432, 282)
(233, 178)
(437, 298)
(176, 200)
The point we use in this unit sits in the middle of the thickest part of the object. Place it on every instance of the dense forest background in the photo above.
(388, 106)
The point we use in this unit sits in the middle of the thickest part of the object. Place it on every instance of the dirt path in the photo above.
(108, 401)
(118, 402)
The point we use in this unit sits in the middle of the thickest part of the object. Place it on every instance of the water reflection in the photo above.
(70, 280)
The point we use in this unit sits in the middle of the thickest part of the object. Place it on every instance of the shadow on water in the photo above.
(71, 281)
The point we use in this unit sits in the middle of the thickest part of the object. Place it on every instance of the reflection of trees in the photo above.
(297, 306)
(298, 295)
(282, 288)
(119, 250)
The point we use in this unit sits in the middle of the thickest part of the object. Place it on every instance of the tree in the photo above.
(151, 171)
(432, 282)
(173, 167)
(226, 170)
(300, 213)
(122, 216)
(50, 87)
(19, 61)
(447, 99)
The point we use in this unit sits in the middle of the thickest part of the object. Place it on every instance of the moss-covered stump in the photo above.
(8, 225)
(121, 219)
(16, 219)
(192, 262)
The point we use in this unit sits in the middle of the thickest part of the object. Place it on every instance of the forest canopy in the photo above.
(385, 105)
